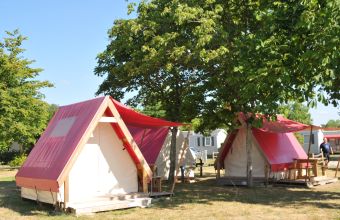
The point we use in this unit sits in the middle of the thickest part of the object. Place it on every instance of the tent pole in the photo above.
(337, 167)
(309, 145)
(249, 157)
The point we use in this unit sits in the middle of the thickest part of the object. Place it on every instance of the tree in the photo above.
(137, 61)
(227, 56)
(52, 108)
(297, 112)
(333, 124)
(23, 115)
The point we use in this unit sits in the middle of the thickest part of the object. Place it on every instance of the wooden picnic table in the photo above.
(300, 165)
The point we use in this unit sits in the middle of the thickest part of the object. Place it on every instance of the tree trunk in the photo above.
(173, 155)
(249, 158)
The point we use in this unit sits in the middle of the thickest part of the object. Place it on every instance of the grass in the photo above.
(200, 200)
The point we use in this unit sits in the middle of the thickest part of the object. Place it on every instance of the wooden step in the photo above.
(107, 203)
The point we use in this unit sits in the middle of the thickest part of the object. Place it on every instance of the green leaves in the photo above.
(23, 115)
(193, 58)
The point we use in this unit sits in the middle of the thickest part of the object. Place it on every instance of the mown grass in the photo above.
(200, 200)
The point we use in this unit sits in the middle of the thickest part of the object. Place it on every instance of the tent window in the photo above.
(207, 141)
(198, 142)
(62, 127)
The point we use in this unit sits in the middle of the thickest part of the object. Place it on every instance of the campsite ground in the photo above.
(200, 200)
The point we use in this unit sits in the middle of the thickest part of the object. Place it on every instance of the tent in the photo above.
(154, 139)
(184, 157)
(273, 146)
(87, 152)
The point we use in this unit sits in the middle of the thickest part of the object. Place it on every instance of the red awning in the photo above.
(281, 125)
(134, 118)
(330, 136)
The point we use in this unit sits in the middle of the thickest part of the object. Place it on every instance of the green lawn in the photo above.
(200, 200)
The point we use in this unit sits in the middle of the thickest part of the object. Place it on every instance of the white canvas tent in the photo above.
(274, 148)
(163, 159)
(87, 159)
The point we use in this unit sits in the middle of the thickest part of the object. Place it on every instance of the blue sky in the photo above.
(64, 37)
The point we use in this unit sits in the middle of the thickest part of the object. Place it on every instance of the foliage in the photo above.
(52, 108)
(18, 160)
(23, 115)
(297, 112)
(214, 58)
(333, 124)
(7, 156)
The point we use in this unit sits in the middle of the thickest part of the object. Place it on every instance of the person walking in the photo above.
(326, 148)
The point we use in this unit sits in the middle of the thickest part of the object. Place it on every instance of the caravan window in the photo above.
(306, 139)
(207, 141)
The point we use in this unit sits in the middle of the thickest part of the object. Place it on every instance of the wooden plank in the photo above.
(108, 120)
(160, 194)
(66, 191)
(337, 167)
(89, 207)
(145, 181)
(129, 139)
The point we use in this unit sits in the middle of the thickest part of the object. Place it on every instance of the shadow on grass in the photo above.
(10, 198)
(206, 192)
(203, 192)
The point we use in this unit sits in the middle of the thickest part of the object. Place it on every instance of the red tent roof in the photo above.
(149, 141)
(53, 150)
(279, 148)
(70, 128)
(148, 132)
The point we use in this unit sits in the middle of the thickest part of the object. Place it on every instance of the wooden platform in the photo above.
(239, 181)
(242, 181)
(314, 181)
(107, 203)
(160, 194)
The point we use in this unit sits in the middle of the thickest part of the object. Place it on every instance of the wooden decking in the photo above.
(242, 181)
(314, 181)
(107, 203)
(160, 194)
(239, 181)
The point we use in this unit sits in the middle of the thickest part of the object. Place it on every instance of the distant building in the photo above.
(15, 147)
(210, 143)
(332, 135)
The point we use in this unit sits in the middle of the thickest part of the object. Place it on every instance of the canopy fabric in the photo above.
(149, 141)
(136, 119)
(281, 125)
(148, 132)
(279, 148)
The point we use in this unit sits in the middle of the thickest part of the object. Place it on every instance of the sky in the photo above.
(64, 38)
